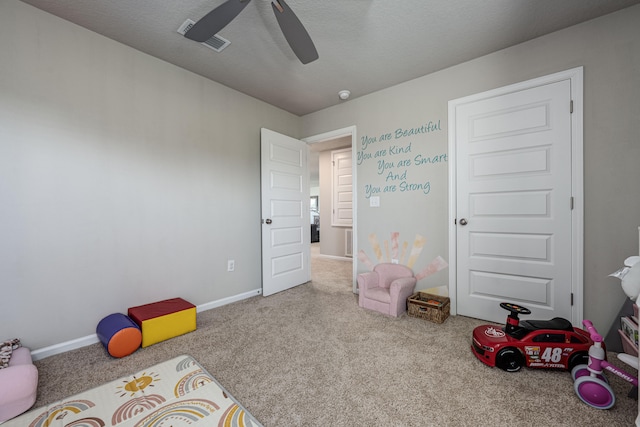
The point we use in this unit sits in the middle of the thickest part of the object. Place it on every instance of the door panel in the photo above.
(531, 288)
(514, 191)
(342, 180)
(510, 203)
(285, 217)
(523, 247)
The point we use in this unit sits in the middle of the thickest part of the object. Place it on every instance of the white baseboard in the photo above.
(228, 300)
(335, 257)
(41, 353)
(52, 350)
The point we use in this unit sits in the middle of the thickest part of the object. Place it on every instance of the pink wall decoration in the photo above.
(391, 254)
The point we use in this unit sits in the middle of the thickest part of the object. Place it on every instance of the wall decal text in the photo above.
(400, 158)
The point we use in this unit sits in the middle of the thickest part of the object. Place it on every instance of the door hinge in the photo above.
(571, 107)
(571, 202)
(571, 298)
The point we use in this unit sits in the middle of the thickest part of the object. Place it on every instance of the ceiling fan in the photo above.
(293, 30)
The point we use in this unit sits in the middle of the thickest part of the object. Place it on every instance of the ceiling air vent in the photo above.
(216, 42)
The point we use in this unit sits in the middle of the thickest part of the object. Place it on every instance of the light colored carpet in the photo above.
(310, 356)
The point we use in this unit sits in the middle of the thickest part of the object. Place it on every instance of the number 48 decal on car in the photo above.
(552, 354)
(550, 357)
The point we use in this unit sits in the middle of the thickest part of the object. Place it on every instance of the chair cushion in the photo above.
(379, 294)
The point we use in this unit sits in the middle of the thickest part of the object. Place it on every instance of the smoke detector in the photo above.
(216, 42)
(344, 94)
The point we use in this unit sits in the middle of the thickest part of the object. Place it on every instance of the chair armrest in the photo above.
(367, 280)
(20, 356)
(400, 290)
(17, 382)
(402, 284)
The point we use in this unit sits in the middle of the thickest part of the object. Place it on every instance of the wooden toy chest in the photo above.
(162, 320)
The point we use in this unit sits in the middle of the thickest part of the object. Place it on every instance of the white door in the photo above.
(514, 202)
(341, 187)
(286, 230)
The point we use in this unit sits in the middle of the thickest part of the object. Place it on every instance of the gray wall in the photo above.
(123, 180)
(609, 50)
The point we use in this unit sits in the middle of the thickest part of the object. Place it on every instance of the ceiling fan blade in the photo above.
(295, 33)
(216, 20)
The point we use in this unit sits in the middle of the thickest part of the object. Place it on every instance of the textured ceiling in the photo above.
(364, 45)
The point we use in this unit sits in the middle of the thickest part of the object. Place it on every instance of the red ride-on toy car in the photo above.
(551, 343)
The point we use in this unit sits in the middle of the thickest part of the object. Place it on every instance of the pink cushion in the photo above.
(379, 294)
(18, 384)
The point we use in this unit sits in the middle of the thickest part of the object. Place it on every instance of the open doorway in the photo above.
(333, 240)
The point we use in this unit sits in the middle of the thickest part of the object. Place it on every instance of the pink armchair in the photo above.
(18, 384)
(386, 288)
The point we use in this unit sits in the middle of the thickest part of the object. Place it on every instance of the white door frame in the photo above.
(340, 133)
(575, 75)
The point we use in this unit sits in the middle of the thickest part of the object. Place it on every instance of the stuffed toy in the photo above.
(629, 275)
(6, 348)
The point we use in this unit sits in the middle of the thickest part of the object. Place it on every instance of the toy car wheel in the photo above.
(594, 392)
(509, 359)
(581, 358)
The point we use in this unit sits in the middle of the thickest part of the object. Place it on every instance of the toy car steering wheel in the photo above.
(515, 309)
(513, 321)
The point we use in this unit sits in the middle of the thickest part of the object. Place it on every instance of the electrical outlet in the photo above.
(231, 265)
(394, 261)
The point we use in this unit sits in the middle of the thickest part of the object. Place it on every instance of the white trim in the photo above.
(339, 133)
(77, 343)
(334, 134)
(52, 350)
(453, 209)
(224, 301)
(575, 76)
(336, 258)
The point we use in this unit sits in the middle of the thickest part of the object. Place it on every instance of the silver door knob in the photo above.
(463, 221)
(268, 221)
